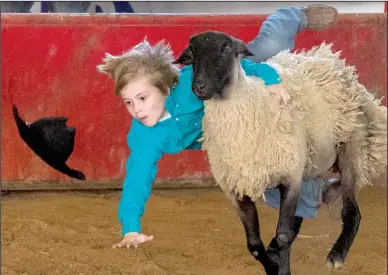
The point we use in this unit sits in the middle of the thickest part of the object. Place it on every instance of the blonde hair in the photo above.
(143, 59)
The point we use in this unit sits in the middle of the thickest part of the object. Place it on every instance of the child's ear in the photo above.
(185, 58)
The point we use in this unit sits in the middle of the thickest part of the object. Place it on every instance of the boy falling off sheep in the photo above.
(167, 115)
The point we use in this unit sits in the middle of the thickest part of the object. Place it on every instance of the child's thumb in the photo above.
(150, 237)
(145, 238)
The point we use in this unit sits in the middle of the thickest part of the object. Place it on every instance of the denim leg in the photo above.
(277, 33)
(69, 7)
(310, 197)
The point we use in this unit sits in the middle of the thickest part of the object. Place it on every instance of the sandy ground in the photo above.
(195, 232)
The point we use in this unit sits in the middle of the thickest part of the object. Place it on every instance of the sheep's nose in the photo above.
(200, 85)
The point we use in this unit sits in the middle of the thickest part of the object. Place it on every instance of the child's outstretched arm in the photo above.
(141, 172)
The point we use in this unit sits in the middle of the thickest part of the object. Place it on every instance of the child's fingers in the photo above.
(133, 241)
(126, 244)
(145, 238)
(130, 244)
(118, 245)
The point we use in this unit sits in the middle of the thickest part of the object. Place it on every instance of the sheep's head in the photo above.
(213, 56)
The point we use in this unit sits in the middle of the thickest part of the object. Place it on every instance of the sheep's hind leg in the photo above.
(351, 216)
(247, 212)
(287, 229)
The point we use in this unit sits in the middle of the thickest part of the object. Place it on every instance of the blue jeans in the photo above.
(310, 197)
(278, 33)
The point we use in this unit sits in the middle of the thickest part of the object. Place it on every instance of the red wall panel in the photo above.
(49, 69)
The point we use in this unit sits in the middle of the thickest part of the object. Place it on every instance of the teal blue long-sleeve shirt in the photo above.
(170, 136)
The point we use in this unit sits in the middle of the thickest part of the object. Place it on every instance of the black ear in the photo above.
(186, 57)
(241, 48)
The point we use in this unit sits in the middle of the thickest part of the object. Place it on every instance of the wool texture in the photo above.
(254, 142)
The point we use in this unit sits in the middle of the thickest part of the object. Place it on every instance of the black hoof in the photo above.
(334, 261)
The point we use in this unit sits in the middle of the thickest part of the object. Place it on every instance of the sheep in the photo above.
(255, 142)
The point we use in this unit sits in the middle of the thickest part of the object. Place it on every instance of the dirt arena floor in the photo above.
(196, 231)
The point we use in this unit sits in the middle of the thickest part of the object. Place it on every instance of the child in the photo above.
(167, 115)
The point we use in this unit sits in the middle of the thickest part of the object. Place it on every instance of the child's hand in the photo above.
(133, 239)
(280, 91)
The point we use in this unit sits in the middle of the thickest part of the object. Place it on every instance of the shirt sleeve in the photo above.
(141, 169)
(262, 70)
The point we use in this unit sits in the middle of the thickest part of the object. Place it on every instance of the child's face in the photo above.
(144, 101)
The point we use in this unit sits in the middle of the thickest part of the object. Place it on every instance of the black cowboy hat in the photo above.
(51, 140)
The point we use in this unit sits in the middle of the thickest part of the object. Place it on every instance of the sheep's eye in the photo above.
(226, 49)
(191, 55)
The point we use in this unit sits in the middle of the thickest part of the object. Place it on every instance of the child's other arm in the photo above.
(269, 75)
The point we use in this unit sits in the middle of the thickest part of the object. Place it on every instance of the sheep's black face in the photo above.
(213, 56)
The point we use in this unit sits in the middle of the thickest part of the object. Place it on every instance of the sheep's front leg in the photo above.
(246, 209)
(287, 229)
